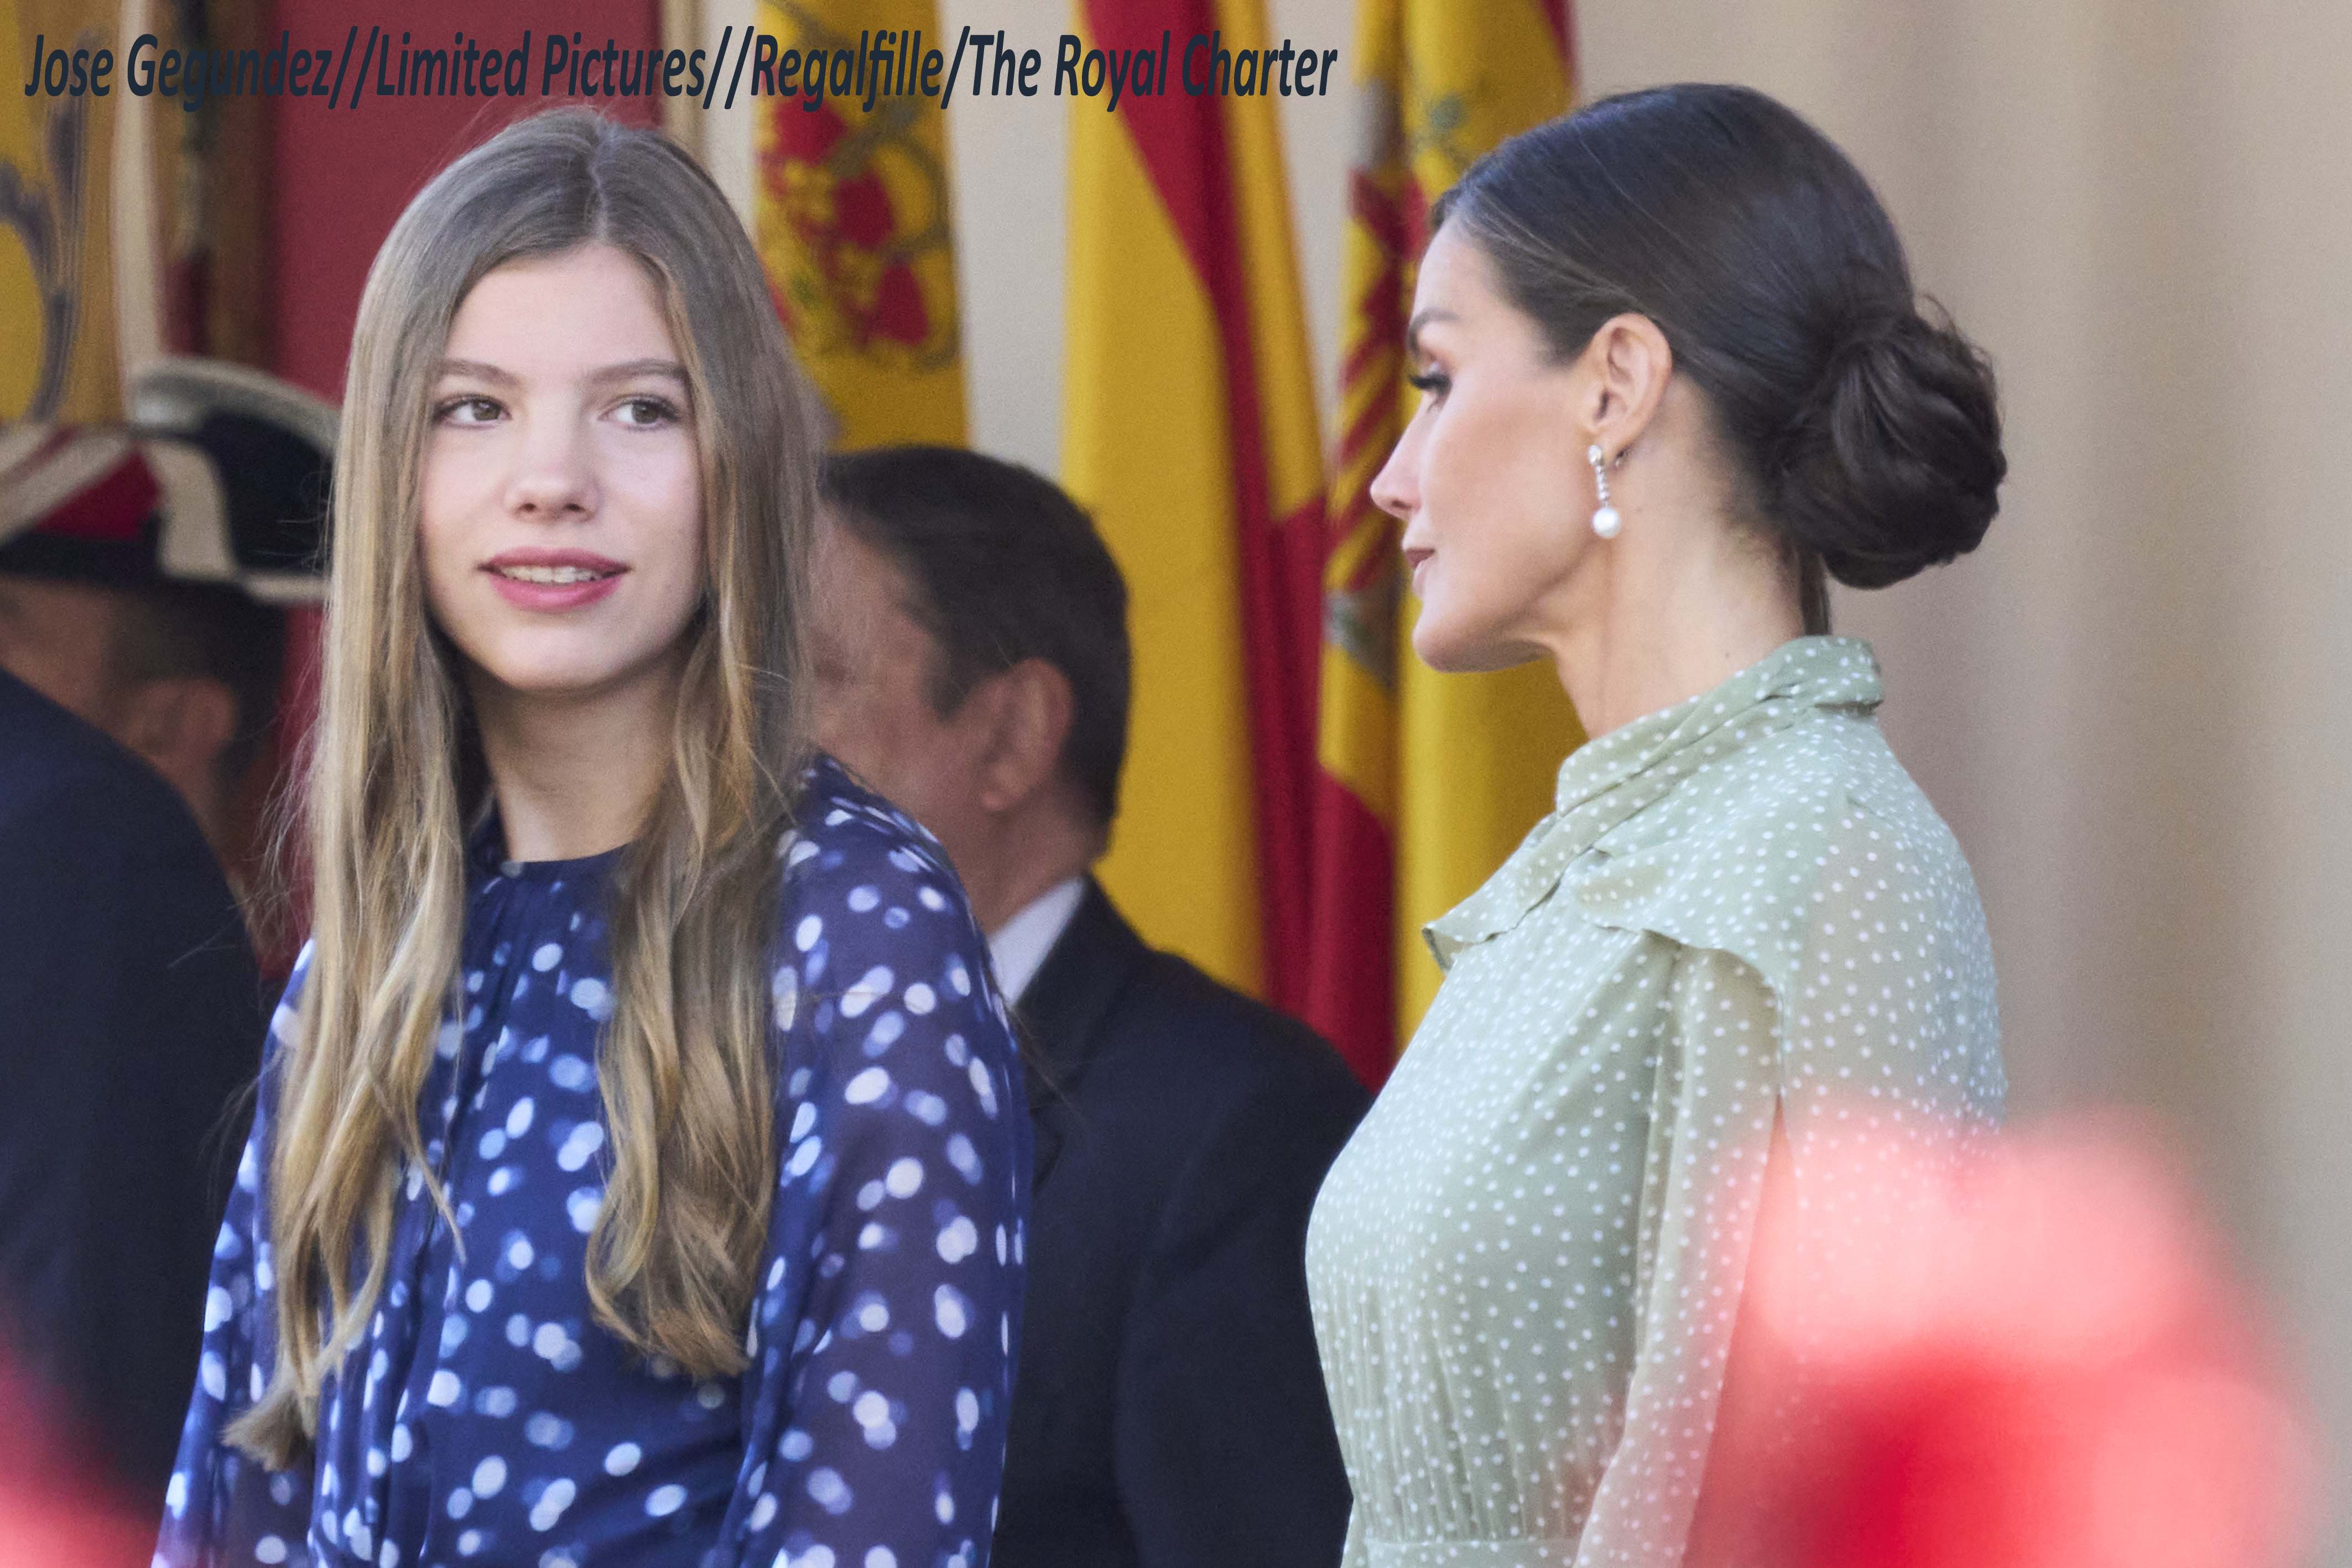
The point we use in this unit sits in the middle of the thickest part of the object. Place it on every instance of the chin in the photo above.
(1459, 650)
(558, 671)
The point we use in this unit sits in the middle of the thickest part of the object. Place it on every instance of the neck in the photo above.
(575, 774)
(1677, 610)
(206, 805)
(1039, 845)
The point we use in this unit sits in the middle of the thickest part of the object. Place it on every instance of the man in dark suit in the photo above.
(130, 1021)
(141, 571)
(1169, 1407)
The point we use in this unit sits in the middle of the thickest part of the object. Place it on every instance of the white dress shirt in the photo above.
(1018, 948)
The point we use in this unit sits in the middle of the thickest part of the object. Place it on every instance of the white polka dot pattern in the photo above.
(486, 1416)
(1525, 1265)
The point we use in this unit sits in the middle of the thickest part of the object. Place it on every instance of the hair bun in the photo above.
(1894, 465)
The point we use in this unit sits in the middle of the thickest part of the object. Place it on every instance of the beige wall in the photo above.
(2132, 703)
(2135, 703)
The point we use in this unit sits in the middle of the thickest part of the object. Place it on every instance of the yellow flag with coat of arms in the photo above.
(856, 229)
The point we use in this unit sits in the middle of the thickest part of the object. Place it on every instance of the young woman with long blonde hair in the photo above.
(639, 1166)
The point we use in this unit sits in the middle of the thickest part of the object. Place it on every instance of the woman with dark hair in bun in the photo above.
(1674, 375)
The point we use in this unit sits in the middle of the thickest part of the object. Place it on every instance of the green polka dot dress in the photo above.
(1526, 1264)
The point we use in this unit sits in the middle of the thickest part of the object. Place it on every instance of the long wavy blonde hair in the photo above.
(396, 779)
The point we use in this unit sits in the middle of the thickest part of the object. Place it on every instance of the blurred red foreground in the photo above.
(53, 1513)
(2040, 1361)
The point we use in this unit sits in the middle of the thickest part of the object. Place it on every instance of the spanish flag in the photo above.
(855, 229)
(1190, 432)
(58, 354)
(1425, 781)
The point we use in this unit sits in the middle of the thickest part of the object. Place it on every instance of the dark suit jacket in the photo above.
(1169, 1409)
(129, 1022)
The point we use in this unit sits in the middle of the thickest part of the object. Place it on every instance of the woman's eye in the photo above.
(648, 412)
(1431, 384)
(467, 411)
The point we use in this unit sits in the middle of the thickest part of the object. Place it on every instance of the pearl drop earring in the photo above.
(1605, 521)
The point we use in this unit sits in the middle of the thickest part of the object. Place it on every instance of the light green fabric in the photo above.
(1526, 1264)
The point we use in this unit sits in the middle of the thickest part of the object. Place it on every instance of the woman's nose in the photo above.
(1396, 489)
(553, 479)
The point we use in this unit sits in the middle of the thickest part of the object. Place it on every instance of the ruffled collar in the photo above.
(1604, 783)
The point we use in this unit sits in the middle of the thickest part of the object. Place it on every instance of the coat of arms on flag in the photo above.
(855, 228)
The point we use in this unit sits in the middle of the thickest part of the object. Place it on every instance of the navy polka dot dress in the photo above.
(487, 1416)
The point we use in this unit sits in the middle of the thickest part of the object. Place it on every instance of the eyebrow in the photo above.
(627, 370)
(1412, 328)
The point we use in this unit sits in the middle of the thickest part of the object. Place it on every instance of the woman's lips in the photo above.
(552, 581)
(1415, 561)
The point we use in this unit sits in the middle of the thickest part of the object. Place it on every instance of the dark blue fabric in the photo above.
(130, 1018)
(1171, 1411)
(487, 1416)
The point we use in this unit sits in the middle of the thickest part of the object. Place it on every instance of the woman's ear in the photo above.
(1627, 365)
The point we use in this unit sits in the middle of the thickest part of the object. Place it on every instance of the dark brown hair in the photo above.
(1004, 568)
(1868, 431)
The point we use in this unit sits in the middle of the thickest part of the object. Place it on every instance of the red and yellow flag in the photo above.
(855, 226)
(1190, 432)
(1425, 781)
(108, 261)
(57, 358)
